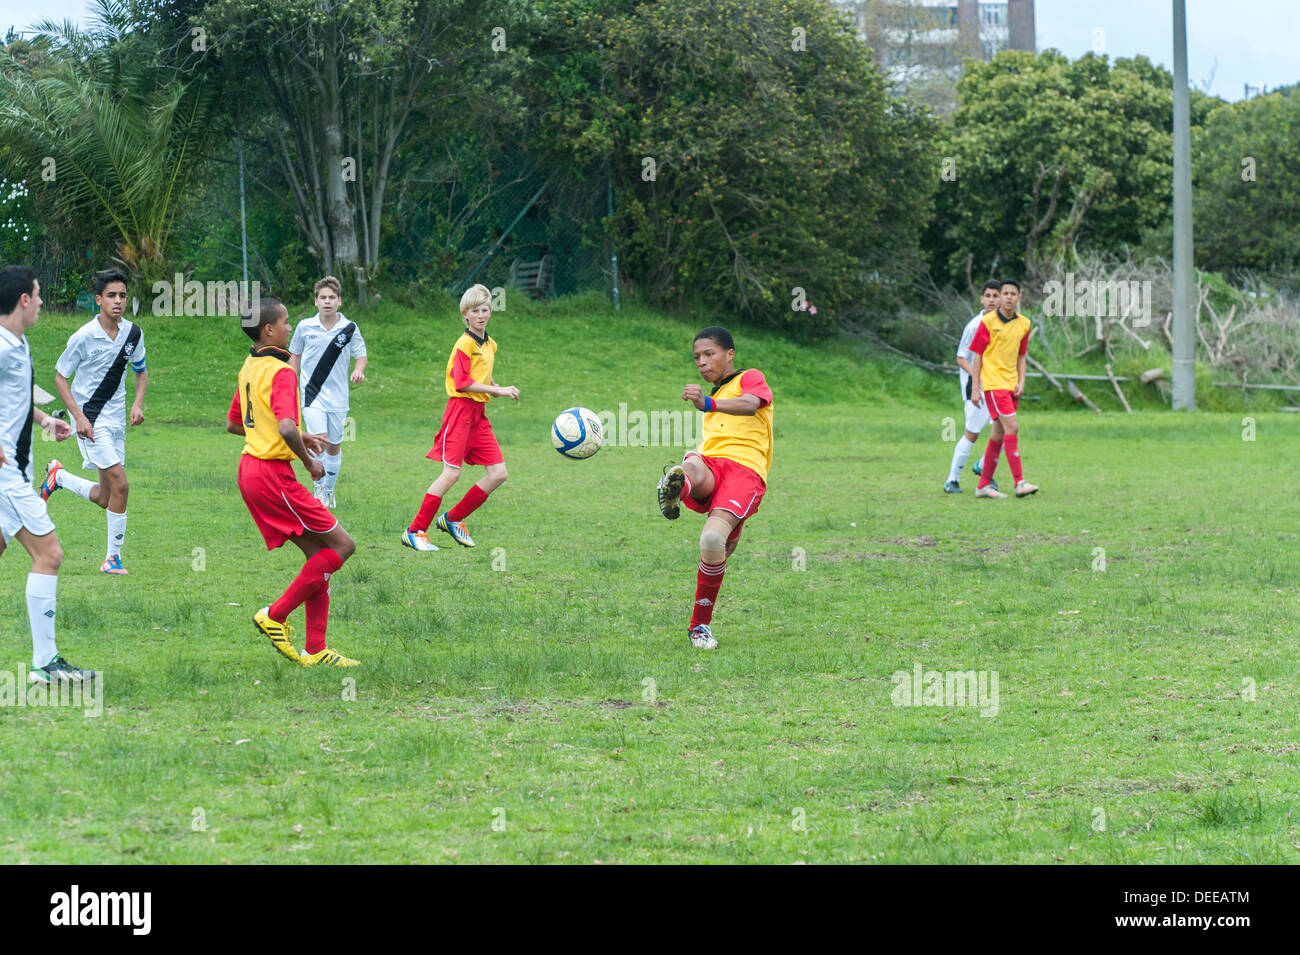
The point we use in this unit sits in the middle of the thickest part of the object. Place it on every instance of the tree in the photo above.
(336, 85)
(1246, 173)
(753, 147)
(1044, 152)
(101, 126)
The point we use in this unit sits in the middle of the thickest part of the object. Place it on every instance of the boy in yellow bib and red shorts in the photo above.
(726, 477)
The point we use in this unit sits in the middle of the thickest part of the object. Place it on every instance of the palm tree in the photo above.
(102, 124)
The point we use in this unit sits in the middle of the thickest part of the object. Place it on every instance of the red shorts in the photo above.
(1001, 403)
(736, 488)
(280, 505)
(465, 436)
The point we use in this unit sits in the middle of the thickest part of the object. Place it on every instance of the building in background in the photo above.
(921, 44)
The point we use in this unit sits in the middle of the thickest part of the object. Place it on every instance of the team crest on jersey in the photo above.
(129, 349)
(340, 339)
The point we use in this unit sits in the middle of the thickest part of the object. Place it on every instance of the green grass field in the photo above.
(535, 699)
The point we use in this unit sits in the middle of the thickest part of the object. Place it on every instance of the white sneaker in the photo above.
(1024, 488)
(330, 503)
(702, 638)
(418, 540)
(988, 491)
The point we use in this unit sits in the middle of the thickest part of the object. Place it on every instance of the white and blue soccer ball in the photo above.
(577, 433)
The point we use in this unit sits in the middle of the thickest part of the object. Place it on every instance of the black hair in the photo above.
(15, 282)
(102, 279)
(256, 315)
(717, 334)
(995, 284)
(1006, 282)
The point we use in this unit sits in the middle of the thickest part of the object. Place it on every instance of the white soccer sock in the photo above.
(960, 455)
(75, 483)
(116, 533)
(332, 463)
(42, 591)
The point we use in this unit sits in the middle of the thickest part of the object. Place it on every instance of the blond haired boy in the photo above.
(465, 436)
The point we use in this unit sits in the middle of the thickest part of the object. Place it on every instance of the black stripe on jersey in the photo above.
(328, 359)
(723, 382)
(112, 378)
(269, 351)
(23, 451)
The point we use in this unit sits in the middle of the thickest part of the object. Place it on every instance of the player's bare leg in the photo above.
(111, 494)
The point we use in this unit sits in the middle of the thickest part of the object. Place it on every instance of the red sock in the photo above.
(318, 615)
(428, 511)
(708, 581)
(990, 462)
(470, 503)
(313, 578)
(1013, 456)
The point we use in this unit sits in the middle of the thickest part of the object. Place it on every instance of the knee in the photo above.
(54, 557)
(711, 542)
(500, 474)
(346, 547)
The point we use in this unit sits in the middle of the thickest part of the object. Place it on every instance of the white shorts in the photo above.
(108, 448)
(22, 507)
(977, 416)
(328, 423)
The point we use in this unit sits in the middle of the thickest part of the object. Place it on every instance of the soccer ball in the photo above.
(577, 433)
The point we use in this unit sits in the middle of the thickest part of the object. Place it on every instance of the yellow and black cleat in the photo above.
(280, 634)
(327, 657)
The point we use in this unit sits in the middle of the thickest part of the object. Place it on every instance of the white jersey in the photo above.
(15, 411)
(963, 351)
(326, 354)
(96, 366)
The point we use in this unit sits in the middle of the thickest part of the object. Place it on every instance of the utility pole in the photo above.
(1185, 317)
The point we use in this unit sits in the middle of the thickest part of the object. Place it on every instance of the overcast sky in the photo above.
(1230, 42)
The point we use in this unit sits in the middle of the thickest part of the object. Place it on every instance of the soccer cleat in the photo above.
(417, 540)
(331, 503)
(951, 487)
(702, 637)
(669, 491)
(113, 565)
(978, 467)
(988, 490)
(327, 657)
(280, 634)
(456, 529)
(994, 484)
(60, 670)
(1024, 488)
(51, 480)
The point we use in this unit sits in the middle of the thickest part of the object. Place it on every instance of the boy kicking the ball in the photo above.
(727, 477)
(22, 512)
(96, 359)
(999, 350)
(465, 436)
(265, 412)
(319, 353)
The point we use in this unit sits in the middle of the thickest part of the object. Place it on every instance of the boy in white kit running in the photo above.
(319, 355)
(96, 360)
(977, 416)
(22, 512)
